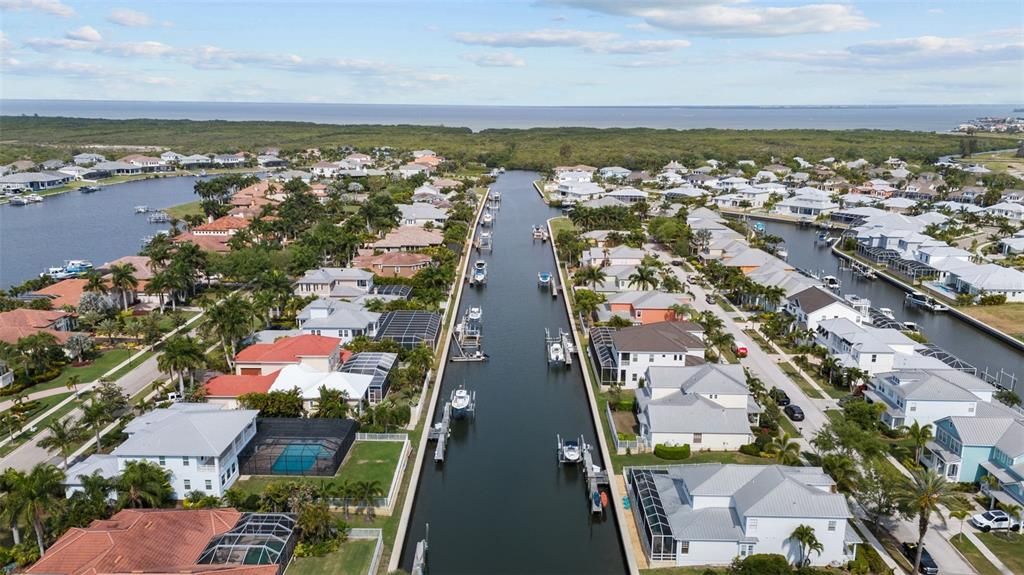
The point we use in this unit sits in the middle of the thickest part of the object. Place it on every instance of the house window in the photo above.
(952, 470)
(752, 524)
(209, 484)
(698, 437)
(650, 358)
(634, 377)
(746, 549)
(188, 484)
(684, 547)
(832, 525)
(913, 407)
(162, 460)
(874, 358)
(184, 461)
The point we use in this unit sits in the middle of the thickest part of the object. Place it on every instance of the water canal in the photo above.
(99, 227)
(500, 503)
(944, 330)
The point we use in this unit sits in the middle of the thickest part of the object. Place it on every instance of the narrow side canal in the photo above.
(501, 503)
(944, 330)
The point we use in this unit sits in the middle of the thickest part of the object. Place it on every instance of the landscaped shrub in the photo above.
(761, 564)
(750, 449)
(672, 452)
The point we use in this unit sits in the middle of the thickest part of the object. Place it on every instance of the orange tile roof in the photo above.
(289, 349)
(223, 224)
(13, 334)
(409, 236)
(143, 541)
(205, 243)
(30, 318)
(407, 262)
(65, 292)
(230, 385)
(142, 270)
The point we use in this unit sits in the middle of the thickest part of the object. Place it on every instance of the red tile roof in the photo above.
(205, 243)
(230, 385)
(65, 292)
(289, 349)
(143, 541)
(30, 318)
(223, 224)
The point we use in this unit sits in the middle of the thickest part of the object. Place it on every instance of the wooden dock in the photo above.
(440, 433)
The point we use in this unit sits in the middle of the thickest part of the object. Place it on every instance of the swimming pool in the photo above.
(298, 458)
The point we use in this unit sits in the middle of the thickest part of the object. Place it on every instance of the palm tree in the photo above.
(143, 484)
(366, 492)
(1014, 511)
(808, 541)
(73, 382)
(122, 278)
(843, 470)
(919, 435)
(681, 311)
(230, 320)
(181, 355)
(960, 514)
(96, 415)
(993, 484)
(785, 449)
(95, 283)
(590, 276)
(109, 328)
(64, 435)
(38, 492)
(645, 277)
(12, 504)
(922, 495)
(828, 367)
(344, 491)
(671, 284)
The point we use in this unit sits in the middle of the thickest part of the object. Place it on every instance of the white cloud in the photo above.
(737, 18)
(5, 43)
(904, 53)
(639, 46)
(936, 11)
(85, 34)
(652, 63)
(495, 60)
(130, 18)
(54, 7)
(147, 49)
(547, 37)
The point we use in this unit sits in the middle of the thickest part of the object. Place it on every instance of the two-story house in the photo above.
(926, 396)
(341, 283)
(815, 304)
(337, 319)
(706, 406)
(421, 214)
(711, 514)
(643, 307)
(965, 449)
(198, 443)
(315, 351)
(617, 256)
(667, 343)
(872, 349)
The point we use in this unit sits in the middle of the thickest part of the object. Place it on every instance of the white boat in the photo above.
(57, 273)
(886, 312)
(19, 201)
(461, 402)
(782, 254)
(544, 279)
(831, 282)
(556, 354)
(487, 219)
(34, 198)
(479, 273)
(141, 209)
(571, 452)
(927, 302)
(910, 326)
(475, 314)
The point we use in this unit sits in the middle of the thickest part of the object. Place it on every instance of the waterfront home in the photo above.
(707, 407)
(934, 252)
(51, 165)
(642, 307)
(194, 160)
(574, 192)
(85, 159)
(922, 188)
(407, 239)
(687, 192)
(111, 169)
(614, 173)
(266, 161)
(603, 202)
(229, 160)
(574, 176)
(1009, 210)
(808, 202)
(1014, 196)
(314, 351)
(224, 390)
(965, 449)
(407, 171)
(616, 279)
(750, 259)
(664, 344)
(711, 514)
(225, 227)
(628, 195)
(147, 163)
(76, 172)
(184, 541)
(67, 292)
(337, 319)
(197, 443)
(35, 181)
(898, 205)
(339, 283)
(816, 304)
(207, 243)
(393, 264)
(618, 256)
(421, 214)
(732, 183)
(599, 238)
(991, 279)
(748, 197)
(170, 157)
(325, 169)
(410, 328)
(378, 365)
(1011, 246)
(20, 322)
(309, 381)
(872, 349)
(925, 396)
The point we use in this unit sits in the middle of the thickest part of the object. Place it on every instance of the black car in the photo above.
(677, 263)
(928, 565)
(794, 412)
(780, 397)
(709, 298)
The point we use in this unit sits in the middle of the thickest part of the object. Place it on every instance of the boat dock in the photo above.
(419, 562)
(467, 337)
(442, 429)
(484, 242)
(559, 348)
(596, 479)
(158, 218)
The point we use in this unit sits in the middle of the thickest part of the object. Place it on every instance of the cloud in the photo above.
(130, 18)
(547, 37)
(732, 18)
(936, 11)
(85, 34)
(651, 63)
(639, 46)
(54, 7)
(148, 49)
(915, 52)
(85, 71)
(5, 43)
(495, 60)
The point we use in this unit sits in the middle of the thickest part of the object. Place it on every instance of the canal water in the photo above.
(944, 330)
(99, 227)
(501, 503)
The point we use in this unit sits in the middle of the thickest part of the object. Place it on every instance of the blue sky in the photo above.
(547, 52)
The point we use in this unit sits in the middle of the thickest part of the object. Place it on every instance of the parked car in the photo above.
(780, 397)
(709, 298)
(995, 520)
(928, 565)
(677, 263)
(740, 349)
(794, 412)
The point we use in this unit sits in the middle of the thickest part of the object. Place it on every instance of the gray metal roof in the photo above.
(706, 378)
(693, 414)
(185, 429)
(982, 431)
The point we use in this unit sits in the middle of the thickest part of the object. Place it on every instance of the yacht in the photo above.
(77, 266)
(544, 279)
(475, 314)
(782, 254)
(556, 354)
(461, 401)
(910, 326)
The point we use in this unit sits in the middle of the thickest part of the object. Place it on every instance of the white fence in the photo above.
(383, 505)
(377, 549)
(382, 437)
(637, 445)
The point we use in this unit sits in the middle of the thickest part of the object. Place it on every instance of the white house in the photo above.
(872, 349)
(1009, 210)
(340, 319)
(614, 173)
(197, 442)
(574, 177)
(309, 381)
(170, 157)
(422, 213)
(744, 197)
(705, 406)
(925, 396)
(573, 192)
(816, 304)
(710, 514)
(334, 282)
(86, 158)
(618, 256)
(991, 279)
(661, 344)
(807, 202)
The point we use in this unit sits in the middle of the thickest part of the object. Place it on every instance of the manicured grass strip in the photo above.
(353, 558)
(788, 426)
(798, 379)
(182, 210)
(1009, 548)
(371, 461)
(973, 555)
(86, 373)
(619, 461)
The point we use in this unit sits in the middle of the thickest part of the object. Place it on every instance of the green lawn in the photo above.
(86, 373)
(45, 404)
(974, 557)
(788, 426)
(353, 558)
(1009, 550)
(619, 461)
(559, 224)
(182, 210)
(367, 461)
(798, 379)
(684, 570)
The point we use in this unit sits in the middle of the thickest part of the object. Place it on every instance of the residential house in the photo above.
(808, 202)
(1009, 210)
(229, 160)
(337, 319)
(268, 161)
(643, 307)
(67, 292)
(574, 192)
(966, 449)
(393, 264)
(991, 279)
(110, 169)
(21, 322)
(661, 344)
(872, 349)
(196, 442)
(309, 381)
(341, 283)
(86, 158)
(314, 351)
(170, 157)
(614, 173)
(629, 195)
(601, 202)
(748, 197)
(816, 304)
(925, 396)
(34, 181)
(421, 214)
(194, 160)
(407, 171)
(147, 163)
(618, 256)
(712, 514)
(225, 226)
(408, 239)
(378, 366)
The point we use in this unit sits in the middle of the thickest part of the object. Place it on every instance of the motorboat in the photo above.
(544, 279)
(487, 219)
(759, 228)
(831, 282)
(56, 273)
(782, 254)
(556, 353)
(539, 233)
(462, 401)
(159, 218)
(19, 201)
(910, 326)
(572, 451)
(475, 314)
(34, 198)
(141, 209)
(927, 302)
(887, 313)
(77, 266)
(823, 239)
(89, 189)
(479, 273)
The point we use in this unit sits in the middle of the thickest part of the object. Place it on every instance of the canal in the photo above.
(944, 330)
(501, 503)
(98, 227)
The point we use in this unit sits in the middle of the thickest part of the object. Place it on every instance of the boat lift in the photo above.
(419, 562)
(563, 343)
(468, 339)
(494, 200)
(442, 430)
(484, 242)
(571, 452)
